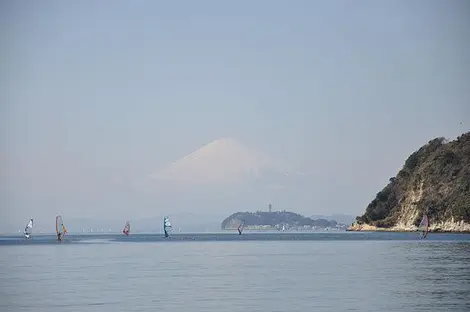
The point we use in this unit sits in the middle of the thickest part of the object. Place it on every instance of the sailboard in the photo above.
(127, 228)
(424, 226)
(241, 227)
(28, 230)
(167, 226)
(60, 228)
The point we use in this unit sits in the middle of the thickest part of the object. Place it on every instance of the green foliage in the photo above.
(417, 157)
(412, 161)
(461, 208)
(444, 170)
(275, 218)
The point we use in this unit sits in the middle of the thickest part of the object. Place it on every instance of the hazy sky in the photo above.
(95, 95)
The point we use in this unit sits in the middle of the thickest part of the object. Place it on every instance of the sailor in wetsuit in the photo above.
(58, 236)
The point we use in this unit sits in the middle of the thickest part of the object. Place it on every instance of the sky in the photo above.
(97, 95)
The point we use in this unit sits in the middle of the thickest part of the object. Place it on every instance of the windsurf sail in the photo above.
(28, 230)
(60, 227)
(167, 226)
(241, 227)
(127, 228)
(424, 225)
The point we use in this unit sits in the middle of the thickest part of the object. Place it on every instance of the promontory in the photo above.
(435, 180)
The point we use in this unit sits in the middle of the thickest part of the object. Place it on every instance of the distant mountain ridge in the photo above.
(435, 179)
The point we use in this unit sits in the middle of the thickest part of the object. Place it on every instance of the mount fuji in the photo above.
(226, 162)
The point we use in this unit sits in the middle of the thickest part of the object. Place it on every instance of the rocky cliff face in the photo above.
(435, 178)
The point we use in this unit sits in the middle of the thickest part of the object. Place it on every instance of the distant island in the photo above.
(436, 179)
(278, 220)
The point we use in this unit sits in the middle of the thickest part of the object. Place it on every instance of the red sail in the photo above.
(127, 228)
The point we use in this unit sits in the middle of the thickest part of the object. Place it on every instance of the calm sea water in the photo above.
(226, 272)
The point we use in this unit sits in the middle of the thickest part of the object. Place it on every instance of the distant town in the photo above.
(279, 221)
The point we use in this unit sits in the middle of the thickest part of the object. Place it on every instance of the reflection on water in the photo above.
(238, 275)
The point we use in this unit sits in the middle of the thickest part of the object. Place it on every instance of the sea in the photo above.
(340, 271)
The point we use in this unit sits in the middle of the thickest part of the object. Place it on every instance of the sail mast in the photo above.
(424, 225)
(166, 226)
(241, 227)
(28, 230)
(127, 228)
(60, 228)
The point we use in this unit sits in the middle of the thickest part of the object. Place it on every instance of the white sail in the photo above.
(424, 226)
(60, 227)
(167, 226)
(28, 230)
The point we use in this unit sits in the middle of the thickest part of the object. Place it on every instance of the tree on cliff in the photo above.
(439, 172)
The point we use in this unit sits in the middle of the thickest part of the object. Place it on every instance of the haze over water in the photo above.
(104, 102)
(225, 272)
(97, 97)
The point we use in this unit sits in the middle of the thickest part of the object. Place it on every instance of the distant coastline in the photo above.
(458, 228)
(279, 221)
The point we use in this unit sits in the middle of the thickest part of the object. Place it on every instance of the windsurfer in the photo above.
(58, 236)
